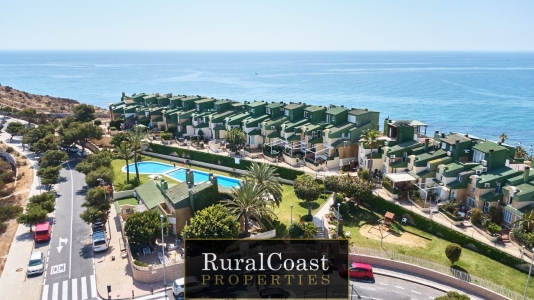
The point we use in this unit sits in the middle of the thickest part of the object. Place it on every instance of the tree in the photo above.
(476, 215)
(65, 123)
(33, 215)
(520, 152)
(95, 161)
(453, 295)
(236, 138)
(34, 134)
(96, 203)
(15, 129)
(166, 136)
(144, 227)
(359, 190)
(248, 203)
(309, 230)
(503, 137)
(82, 133)
(307, 189)
(84, 113)
(295, 231)
(336, 184)
(53, 158)
(49, 175)
(118, 139)
(27, 114)
(48, 143)
(265, 176)
(92, 214)
(105, 173)
(369, 139)
(137, 141)
(124, 151)
(47, 201)
(212, 222)
(453, 252)
(526, 221)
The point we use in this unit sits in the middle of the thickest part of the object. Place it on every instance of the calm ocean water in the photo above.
(483, 94)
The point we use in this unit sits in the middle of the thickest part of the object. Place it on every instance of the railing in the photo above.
(461, 275)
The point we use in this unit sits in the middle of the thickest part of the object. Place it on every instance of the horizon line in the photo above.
(280, 51)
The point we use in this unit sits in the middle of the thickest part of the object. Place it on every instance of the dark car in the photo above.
(98, 226)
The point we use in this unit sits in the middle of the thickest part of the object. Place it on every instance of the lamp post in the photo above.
(291, 213)
(339, 218)
(101, 181)
(163, 251)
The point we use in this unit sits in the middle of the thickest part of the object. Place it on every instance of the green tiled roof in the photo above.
(526, 192)
(502, 172)
(485, 146)
(202, 125)
(425, 157)
(255, 104)
(336, 110)
(399, 164)
(452, 138)
(236, 119)
(426, 174)
(452, 169)
(177, 194)
(293, 106)
(410, 145)
(255, 132)
(222, 115)
(315, 108)
(317, 140)
(217, 102)
(199, 187)
(340, 142)
(274, 134)
(291, 126)
(338, 129)
(150, 194)
(491, 197)
(187, 123)
(357, 112)
(512, 210)
(118, 103)
(526, 208)
(253, 122)
(456, 185)
(277, 121)
(219, 127)
(237, 104)
(376, 155)
(294, 138)
(313, 127)
(275, 105)
(204, 101)
(186, 114)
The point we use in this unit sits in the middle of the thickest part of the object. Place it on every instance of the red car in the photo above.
(357, 270)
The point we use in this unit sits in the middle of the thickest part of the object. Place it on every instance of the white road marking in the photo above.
(399, 287)
(93, 286)
(54, 291)
(45, 292)
(383, 283)
(416, 292)
(65, 290)
(74, 289)
(84, 288)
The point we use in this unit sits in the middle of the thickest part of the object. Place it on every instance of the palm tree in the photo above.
(248, 202)
(310, 230)
(527, 220)
(503, 137)
(265, 176)
(369, 139)
(125, 151)
(137, 141)
(520, 152)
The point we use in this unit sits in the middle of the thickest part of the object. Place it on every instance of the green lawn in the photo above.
(129, 200)
(470, 261)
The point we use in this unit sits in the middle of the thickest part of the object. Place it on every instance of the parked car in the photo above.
(98, 226)
(42, 232)
(74, 149)
(357, 270)
(277, 293)
(80, 153)
(192, 285)
(36, 264)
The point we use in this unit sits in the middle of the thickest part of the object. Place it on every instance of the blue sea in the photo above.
(482, 94)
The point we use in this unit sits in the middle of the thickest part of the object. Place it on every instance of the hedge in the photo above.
(380, 206)
(224, 161)
(451, 216)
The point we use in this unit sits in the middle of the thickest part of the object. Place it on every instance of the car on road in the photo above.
(74, 149)
(277, 293)
(36, 264)
(100, 241)
(98, 226)
(192, 284)
(42, 232)
(80, 153)
(357, 270)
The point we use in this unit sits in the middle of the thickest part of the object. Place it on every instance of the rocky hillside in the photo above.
(42, 104)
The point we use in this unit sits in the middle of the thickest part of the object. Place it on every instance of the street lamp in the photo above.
(529, 270)
(339, 218)
(291, 213)
(101, 181)
(163, 251)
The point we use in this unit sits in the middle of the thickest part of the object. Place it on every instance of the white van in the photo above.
(100, 242)
(193, 286)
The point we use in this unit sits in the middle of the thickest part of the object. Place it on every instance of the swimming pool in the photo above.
(199, 177)
(149, 167)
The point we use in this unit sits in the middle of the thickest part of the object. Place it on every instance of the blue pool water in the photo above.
(149, 167)
(202, 177)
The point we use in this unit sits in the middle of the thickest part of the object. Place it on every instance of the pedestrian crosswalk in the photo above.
(83, 288)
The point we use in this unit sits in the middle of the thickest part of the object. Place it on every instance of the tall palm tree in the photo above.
(125, 151)
(137, 141)
(503, 137)
(369, 139)
(527, 220)
(248, 202)
(520, 152)
(265, 176)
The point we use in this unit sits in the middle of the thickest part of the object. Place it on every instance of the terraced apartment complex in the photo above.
(474, 171)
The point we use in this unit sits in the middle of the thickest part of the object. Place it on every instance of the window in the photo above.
(198, 107)
(459, 178)
(428, 166)
(305, 114)
(498, 188)
(477, 156)
(473, 188)
(327, 118)
(251, 140)
(510, 199)
(486, 206)
(268, 111)
(286, 113)
(471, 202)
(507, 216)
(252, 110)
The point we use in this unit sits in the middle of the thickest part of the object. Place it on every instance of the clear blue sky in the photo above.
(471, 25)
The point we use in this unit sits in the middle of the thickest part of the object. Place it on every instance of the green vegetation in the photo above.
(129, 200)
(212, 222)
(453, 252)
(453, 295)
(144, 227)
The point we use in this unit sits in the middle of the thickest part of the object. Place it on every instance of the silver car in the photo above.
(36, 264)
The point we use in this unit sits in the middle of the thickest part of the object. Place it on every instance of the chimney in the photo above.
(490, 160)
(190, 178)
(456, 150)
(213, 179)
(163, 184)
(466, 135)
(426, 145)
(526, 173)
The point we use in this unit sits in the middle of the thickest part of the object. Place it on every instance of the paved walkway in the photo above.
(510, 248)
(13, 282)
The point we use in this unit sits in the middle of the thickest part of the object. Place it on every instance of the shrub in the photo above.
(112, 128)
(306, 218)
(343, 208)
(453, 252)
(97, 122)
(493, 228)
(485, 222)
(128, 187)
(476, 215)
(295, 230)
(10, 149)
(140, 263)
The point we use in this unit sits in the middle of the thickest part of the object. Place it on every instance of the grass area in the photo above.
(470, 261)
(129, 200)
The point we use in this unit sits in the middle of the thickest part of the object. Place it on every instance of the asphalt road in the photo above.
(381, 288)
(70, 272)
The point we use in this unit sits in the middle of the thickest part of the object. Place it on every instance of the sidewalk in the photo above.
(13, 282)
(509, 248)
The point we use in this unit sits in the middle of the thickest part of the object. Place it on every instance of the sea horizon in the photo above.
(473, 92)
